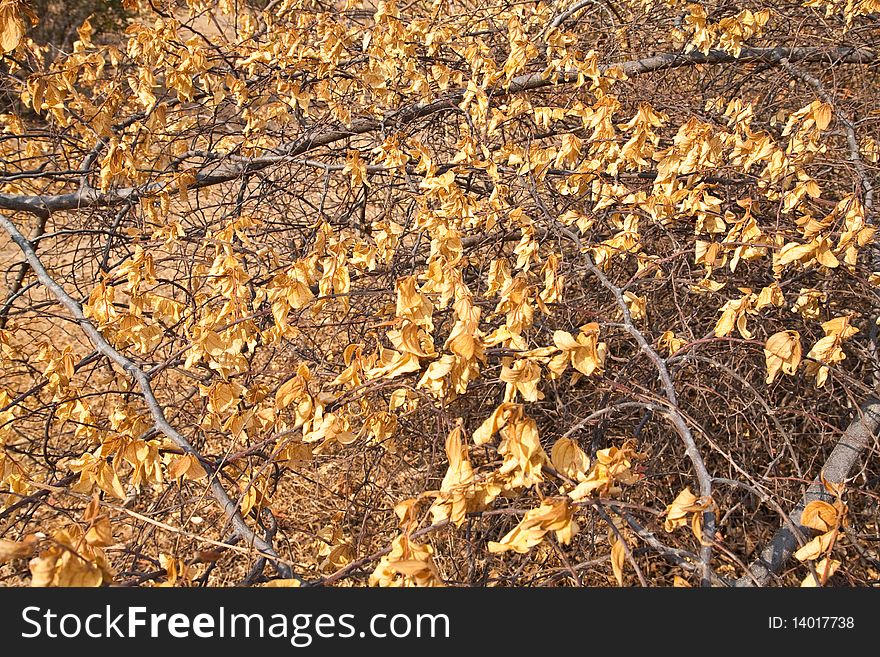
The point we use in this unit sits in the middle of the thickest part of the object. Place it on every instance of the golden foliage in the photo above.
(325, 239)
(553, 515)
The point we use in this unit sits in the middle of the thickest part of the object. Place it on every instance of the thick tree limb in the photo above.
(227, 505)
(861, 431)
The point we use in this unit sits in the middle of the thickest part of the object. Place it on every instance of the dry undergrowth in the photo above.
(483, 295)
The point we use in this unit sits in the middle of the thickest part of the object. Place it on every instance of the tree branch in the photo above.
(227, 505)
(216, 173)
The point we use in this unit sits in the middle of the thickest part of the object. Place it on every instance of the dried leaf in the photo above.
(683, 505)
(283, 583)
(825, 569)
(569, 459)
(554, 514)
(12, 26)
(188, 466)
(819, 515)
(618, 560)
(782, 352)
(817, 547)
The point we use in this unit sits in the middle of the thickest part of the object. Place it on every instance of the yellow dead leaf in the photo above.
(618, 560)
(782, 352)
(817, 547)
(61, 568)
(95, 470)
(392, 364)
(456, 489)
(569, 459)
(822, 115)
(409, 567)
(612, 465)
(793, 251)
(683, 505)
(638, 306)
(819, 515)
(770, 296)
(100, 533)
(188, 466)
(554, 514)
(840, 326)
(407, 511)
(825, 569)
(289, 391)
(524, 457)
(586, 354)
(407, 564)
(283, 583)
(11, 25)
(496, 421)
(670, 342)
(69, 561)
(808, 303)
(522, 377)
(706, 286)
(827, 351)
(735, 313)
(835, 488)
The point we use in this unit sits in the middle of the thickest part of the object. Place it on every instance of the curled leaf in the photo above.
(554, 515)
(819, 515)
(682, 506)
(569, 459)
(618, 560)
(782, 352)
